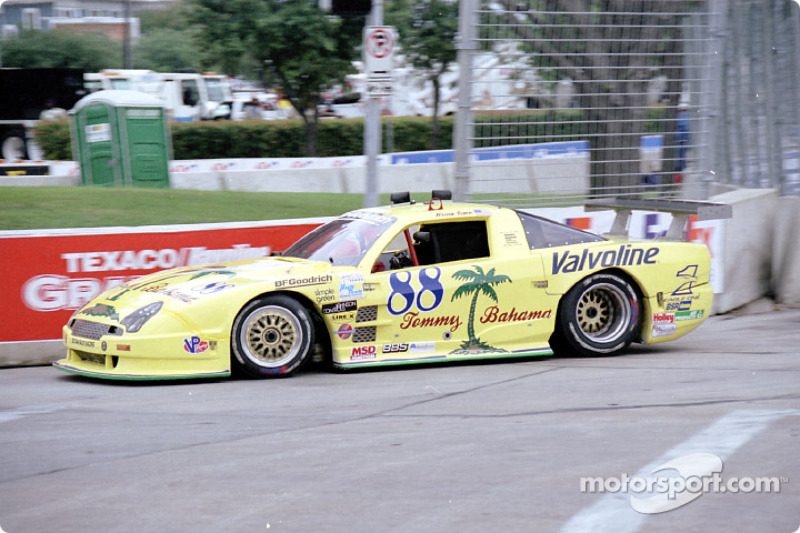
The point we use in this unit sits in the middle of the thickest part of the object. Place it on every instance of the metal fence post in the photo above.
(710, 100)
(463, 126)
(791, 185)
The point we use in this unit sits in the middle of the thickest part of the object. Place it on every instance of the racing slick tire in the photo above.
(272, 336)
(600, 315)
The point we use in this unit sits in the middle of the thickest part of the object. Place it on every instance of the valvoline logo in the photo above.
(195, 345)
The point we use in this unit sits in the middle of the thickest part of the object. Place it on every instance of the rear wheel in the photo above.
(272, 336)
(598, 316)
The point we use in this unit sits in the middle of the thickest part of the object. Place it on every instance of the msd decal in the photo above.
(360, 353)
(194, 345)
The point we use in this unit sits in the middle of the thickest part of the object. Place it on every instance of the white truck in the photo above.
(187, 96)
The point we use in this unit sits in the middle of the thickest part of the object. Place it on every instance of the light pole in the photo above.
(126, 35)
(372, 126)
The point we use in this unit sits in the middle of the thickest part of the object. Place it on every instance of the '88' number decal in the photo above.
(404, 295)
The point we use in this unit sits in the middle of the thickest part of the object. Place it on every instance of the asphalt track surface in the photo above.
(471, 447)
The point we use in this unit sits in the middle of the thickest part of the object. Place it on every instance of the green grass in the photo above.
(79, 207)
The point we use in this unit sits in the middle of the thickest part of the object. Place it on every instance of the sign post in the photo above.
(379, 44)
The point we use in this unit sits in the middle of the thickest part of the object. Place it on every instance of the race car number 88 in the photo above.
(404, 295)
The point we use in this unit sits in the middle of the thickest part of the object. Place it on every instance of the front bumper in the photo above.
(144, 357)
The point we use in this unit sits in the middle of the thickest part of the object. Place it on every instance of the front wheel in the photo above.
(598, 316)
(271, 337)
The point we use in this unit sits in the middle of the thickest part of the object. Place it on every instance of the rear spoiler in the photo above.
(680, 209)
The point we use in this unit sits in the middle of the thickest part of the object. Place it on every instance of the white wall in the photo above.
(562, 174)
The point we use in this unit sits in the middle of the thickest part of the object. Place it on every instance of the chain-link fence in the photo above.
(756, 136)
(645, 98)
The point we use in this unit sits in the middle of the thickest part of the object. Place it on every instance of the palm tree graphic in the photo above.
(477, 282)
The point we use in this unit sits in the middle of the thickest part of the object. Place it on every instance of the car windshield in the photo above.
(343, 241)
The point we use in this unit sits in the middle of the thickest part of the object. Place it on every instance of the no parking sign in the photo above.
(379, 45)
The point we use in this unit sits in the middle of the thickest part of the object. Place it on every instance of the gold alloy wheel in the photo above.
(271, 336)
(603, 312)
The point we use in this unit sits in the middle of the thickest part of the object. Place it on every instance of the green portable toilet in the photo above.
(121, 138)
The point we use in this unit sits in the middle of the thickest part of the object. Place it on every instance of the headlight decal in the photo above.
(138, 318)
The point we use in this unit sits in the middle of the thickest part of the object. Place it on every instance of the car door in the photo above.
(427, 298)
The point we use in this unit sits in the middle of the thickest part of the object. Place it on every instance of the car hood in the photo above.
(182, 288)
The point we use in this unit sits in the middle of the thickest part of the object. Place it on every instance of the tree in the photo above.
(307, 50)
(225, 29)
(303, 48)
(428, 37)
(477, 282)
(175, 17)
(167, 50)
(61, 49)
(611, 72)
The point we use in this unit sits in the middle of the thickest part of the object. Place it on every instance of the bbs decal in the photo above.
(395, 348)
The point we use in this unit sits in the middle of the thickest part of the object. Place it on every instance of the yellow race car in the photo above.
(410, 283)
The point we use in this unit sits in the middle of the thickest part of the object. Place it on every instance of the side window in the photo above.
(396, 255)
(453, 241)
(542, 233)
(120, 83)
(190, 93)
(435, 243)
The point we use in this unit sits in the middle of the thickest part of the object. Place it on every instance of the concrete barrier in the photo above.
(747, 247)
(786, 252)
(40, 181)
(28, 353)
(557, 175)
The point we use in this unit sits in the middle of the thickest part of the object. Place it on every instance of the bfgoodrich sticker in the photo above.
(303, 282)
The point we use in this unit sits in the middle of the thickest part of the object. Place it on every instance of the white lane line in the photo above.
(613, 511)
